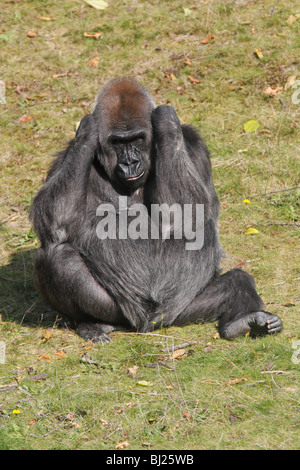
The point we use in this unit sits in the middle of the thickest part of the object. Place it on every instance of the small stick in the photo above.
(178, 346)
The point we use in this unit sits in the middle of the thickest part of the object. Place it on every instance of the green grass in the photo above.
(241, 394)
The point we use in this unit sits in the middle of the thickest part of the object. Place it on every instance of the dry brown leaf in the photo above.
(123, 444)
(44, 356)
(292, 18)
(58, 75)
(272, 91)
(60, 354)
(32, 421)
(236, 381)
(207, 39)
(31, 34)
(133, 370)
(177, 353)
(25, 119)
(93, 35)
(44, 18)
(46, 335)
(193, 79)
(187, 62)
(94, 62)
(104, 422)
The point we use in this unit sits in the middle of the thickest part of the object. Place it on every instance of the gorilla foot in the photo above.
(96, 332)
(256, 324)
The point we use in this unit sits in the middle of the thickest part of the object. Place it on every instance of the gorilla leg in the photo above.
(65, 282)
(232, 299)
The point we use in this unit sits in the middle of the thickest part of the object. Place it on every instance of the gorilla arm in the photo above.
(59, 208)
(182, 165)
(58, 212)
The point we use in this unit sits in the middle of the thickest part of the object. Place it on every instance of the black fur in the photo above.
(104, 285)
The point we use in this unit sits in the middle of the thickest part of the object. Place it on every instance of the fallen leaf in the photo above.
(251, 126)
(98, 4)
(187, 415)
(251, 231)
(253, 30)
(25, 119)
(272, 91)
(61, 354)
(32, 421)
(236, 381)
(104, 422)
(133, 370)
(187, 62)
(58, 75)
(258, 53)
(193, 80)
(207, 39)
(44, 18)
(94, 62)
(46, 335)
(31, 34)
(187, 11)
(44, 356)
(177, 353)
(93, 35)
(121, 445)
(292, 18)
(145, 383)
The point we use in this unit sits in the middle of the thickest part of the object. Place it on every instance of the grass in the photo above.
(71, 394)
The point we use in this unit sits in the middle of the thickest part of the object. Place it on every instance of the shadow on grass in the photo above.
(20, 302)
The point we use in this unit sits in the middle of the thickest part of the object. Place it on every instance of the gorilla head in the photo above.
(123, 112)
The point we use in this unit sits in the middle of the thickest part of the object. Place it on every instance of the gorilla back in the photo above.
(100, 263)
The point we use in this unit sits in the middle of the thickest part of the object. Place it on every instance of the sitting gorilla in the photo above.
(128, 155)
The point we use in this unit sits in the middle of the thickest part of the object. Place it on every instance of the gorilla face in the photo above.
(132, 153)
(126, 157)
(123, 110)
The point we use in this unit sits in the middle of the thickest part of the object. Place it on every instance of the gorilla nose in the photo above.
(130, 171)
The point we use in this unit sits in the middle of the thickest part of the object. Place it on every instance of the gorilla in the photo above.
(130, 150)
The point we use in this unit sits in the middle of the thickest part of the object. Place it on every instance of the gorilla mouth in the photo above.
(133, 178)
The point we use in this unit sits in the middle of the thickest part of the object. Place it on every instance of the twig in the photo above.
(274, 192)
(178, 346)
(274, 372)
(297, 224)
